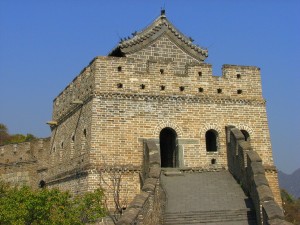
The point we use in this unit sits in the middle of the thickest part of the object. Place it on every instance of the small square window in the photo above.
(142, 86)
(119, 68)
(119, 85)
(239, 91)
(161, 71)
(200, 74)
(181, 88)
(162, 87)
(200, 89)
(219, 91)
(238, 76)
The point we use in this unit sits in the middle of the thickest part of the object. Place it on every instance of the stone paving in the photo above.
(206, 194)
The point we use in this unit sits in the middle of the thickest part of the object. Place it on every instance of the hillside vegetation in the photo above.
(6, 138)
(23, 205)
(291, 207)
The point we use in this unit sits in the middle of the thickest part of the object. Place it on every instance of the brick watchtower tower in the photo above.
(155, 85)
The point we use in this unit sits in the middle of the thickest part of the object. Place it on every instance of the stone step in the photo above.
(172, 172)
(199, 217)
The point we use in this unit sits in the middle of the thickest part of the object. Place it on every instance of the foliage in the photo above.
(6, 138)
(291, 207)
(22, 205)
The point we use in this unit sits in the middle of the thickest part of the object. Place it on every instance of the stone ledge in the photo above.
(149, 185)
(256, 168)
(139, 200)
(129, 216)
(264, 193)
(253, 156)
(154, 172)
(272, 210)
(260, 179)
(278, 222)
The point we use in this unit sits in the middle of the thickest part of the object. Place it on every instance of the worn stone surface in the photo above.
(278, 222)
(260, 179)
(265, 193)
(211, 197)
(154, 172)
(139, 200)
(273, 210)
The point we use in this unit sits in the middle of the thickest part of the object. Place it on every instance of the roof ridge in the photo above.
(155, 28)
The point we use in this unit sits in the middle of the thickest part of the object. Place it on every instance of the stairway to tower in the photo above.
(211, 198)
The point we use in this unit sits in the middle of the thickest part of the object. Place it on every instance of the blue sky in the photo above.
(45, 44)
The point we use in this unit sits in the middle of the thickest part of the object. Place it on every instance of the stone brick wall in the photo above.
(128, 99)
(147, 207)
(24, 163)
(246, 166)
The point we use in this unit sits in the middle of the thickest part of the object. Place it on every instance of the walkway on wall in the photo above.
(211, 198)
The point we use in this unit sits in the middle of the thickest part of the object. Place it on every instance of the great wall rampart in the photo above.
(155, 86)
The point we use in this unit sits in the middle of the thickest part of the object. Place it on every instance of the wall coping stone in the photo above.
(260, 179)
(273, 210)
(265, 193)
(253, 156)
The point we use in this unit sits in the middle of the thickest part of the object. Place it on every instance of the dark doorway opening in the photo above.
(246, 135)
(211, 141)
(168, 148)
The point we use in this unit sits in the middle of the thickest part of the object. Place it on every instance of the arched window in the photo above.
(246, 135)
(211, 137)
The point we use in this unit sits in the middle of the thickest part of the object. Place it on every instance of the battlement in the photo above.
(24, 163)
(129, 76)
(80, 89)
(25, 152)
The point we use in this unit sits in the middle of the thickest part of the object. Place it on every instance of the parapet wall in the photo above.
(146, 207)
(80, 89)
(247, 168)
(124, 75)
(25, 163)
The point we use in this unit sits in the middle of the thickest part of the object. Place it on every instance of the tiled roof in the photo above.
(151, 33)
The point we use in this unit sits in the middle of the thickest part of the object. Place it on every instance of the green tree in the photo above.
(4, 135)
(22, 205)
(6, 138)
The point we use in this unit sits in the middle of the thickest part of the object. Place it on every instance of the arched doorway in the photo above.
(246, 135)
(168, 147)
(211, 139)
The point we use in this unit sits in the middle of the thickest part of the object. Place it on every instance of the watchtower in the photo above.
(154, 85)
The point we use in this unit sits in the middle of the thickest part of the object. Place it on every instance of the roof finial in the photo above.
(162, 12)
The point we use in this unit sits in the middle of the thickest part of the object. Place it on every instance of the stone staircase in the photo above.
(238, 217)
(211, 198)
